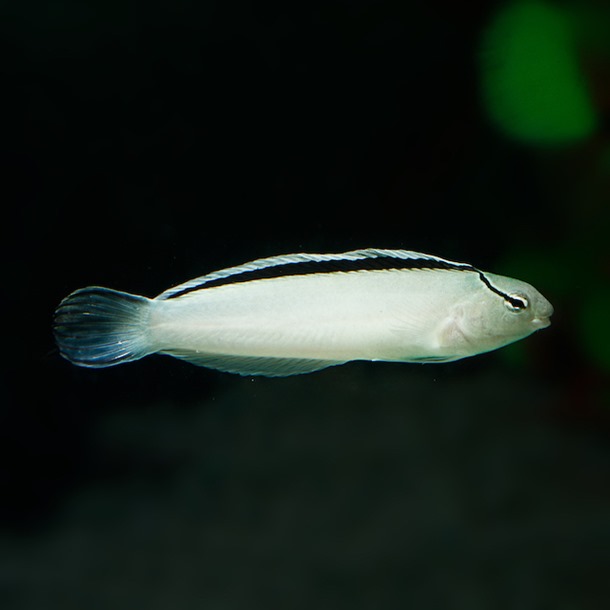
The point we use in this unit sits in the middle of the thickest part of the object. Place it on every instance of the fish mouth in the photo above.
(541, 322)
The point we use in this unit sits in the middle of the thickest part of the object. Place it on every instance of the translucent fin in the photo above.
(253, 365)
(99, 327)
(426, 359)
(325, 262)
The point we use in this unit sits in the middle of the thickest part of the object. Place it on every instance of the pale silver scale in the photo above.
(299, 313)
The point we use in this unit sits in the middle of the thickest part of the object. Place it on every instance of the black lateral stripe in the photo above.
(377, 263)
(507, 297)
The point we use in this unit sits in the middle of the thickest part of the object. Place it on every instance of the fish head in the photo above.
(507, 312)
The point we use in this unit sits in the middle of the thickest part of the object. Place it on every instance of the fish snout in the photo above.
(541, 322)
(544, 311)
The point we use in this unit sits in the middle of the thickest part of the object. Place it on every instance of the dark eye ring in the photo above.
(517, 303)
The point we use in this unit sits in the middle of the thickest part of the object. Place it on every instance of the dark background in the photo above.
(148, 143)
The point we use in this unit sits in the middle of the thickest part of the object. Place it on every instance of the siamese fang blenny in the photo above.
(299, 313)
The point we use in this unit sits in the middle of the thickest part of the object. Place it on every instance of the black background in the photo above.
(148, 143)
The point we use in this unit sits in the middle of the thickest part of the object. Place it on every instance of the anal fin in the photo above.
(254, 365)
(426, 359)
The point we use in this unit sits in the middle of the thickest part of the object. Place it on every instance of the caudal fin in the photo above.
(98, 327)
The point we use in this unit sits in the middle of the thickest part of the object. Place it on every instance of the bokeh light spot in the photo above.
(532, 85)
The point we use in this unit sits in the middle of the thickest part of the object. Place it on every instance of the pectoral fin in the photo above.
(450, 335)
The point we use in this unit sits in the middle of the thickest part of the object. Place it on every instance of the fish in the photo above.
(298, 313)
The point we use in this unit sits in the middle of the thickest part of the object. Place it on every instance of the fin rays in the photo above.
(304, 264)
(253, 365)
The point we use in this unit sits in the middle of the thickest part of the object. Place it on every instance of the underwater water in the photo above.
(149, 146)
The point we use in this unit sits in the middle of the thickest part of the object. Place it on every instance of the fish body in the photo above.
(303, 312)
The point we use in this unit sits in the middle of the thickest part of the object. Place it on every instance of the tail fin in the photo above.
(98, 327)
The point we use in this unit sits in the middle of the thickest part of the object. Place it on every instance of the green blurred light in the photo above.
(595, 327)
(532, 85)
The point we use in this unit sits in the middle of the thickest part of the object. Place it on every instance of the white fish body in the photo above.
(303, 312)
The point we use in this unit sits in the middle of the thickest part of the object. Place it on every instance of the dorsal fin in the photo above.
(301, 264)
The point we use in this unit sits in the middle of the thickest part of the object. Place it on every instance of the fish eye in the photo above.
(516, 303)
